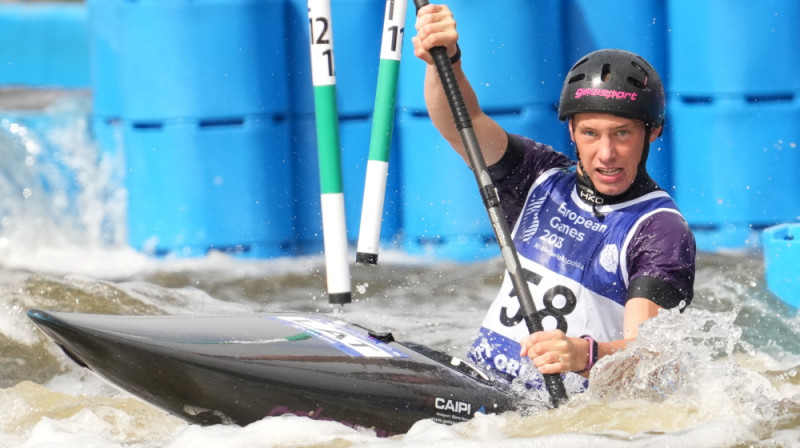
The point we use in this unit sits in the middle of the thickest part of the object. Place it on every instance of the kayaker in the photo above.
(602, 246)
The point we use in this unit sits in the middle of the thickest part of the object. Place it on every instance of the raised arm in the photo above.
(437, 27)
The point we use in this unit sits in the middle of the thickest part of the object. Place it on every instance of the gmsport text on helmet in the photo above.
(615, 82)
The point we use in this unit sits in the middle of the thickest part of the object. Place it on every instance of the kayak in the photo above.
(237, 369)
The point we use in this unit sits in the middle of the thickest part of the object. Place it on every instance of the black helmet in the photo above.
(615, 82)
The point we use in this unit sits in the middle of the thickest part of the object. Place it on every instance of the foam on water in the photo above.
(689, 379)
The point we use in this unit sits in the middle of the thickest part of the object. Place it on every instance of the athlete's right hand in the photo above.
(553, 352)
(435, 27)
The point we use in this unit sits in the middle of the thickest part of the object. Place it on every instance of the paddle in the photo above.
(553, 382)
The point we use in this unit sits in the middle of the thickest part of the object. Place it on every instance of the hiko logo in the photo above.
(606, 93)
(591, 197)
(454, 406)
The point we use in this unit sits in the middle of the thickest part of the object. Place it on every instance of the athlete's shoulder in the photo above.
(666, 221)
(529, 157)
(661, 259)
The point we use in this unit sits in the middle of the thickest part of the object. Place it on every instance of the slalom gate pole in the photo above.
(381, 137)
(553, 382)
(323, 75)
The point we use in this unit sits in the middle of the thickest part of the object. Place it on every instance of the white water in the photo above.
(723, 374)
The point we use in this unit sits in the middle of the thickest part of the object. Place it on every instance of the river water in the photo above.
(722, 374)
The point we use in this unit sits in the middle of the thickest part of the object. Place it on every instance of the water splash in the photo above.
(689, 361)
(57, 189)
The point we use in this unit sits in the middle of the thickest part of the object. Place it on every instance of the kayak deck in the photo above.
(238, 369)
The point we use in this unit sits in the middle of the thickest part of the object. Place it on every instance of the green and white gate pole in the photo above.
(381, 138)
(323, 75)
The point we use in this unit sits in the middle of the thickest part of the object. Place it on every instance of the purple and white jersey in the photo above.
(575, 264)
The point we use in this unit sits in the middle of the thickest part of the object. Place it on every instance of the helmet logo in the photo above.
(606, 93)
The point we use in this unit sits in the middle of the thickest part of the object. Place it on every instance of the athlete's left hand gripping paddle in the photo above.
(553, 382)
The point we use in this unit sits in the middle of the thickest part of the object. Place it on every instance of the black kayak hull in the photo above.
(240, 369)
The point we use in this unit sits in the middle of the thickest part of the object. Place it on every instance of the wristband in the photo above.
(456, 57)
(592, 352)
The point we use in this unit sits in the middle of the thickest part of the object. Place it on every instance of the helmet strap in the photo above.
(648, 129)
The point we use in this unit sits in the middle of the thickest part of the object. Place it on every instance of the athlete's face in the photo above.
(610, 148)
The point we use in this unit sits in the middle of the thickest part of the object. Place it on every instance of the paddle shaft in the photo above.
(553, 382)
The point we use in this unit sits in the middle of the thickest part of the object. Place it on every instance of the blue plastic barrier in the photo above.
(660, 163)
(216, 58)
(109, 136)
(782, 261)
(200, 185)
(357, 34)
(734, 46)
(734, 116)
(732, 157)
(511, 49)
(198, 92)
(104, 24)
(443, 214)
(301, 93)
(307, 222)
(44, 44)
(633, 25)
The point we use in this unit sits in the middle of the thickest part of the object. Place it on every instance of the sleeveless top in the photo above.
(574, 264)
